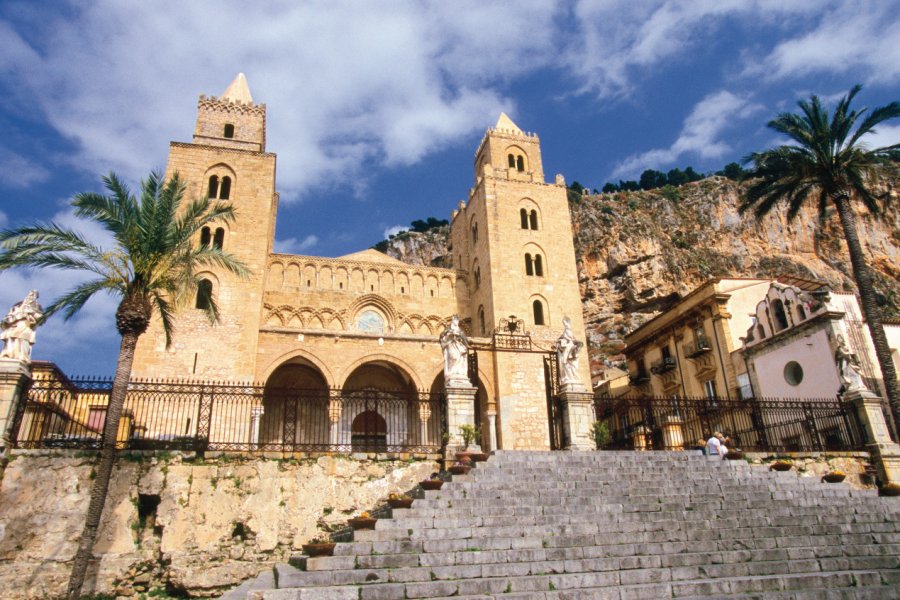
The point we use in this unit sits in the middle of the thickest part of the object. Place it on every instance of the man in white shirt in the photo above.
(714, 445)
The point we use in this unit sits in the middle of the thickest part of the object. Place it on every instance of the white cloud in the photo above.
(294, 246)
(858, 37)
(884, 135)
(348, 83)
(388, 232)
(18, 172)
(4, 219)
(700, 135)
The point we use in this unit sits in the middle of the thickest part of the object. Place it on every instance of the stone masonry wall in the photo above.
(217, 521)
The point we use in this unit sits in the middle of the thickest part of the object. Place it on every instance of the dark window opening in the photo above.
(781, 321)
(368, 430)
(529, 267)
(801, 313)
(213, 191)
(523, 217)
(225, 190)
(520, 164)
(218, 239)
(481, 319)
(204, 237)
(229, 130)
(512, 161)
(533, 219)
(402, 290)
(538, 265)
(538, 312)
(147, 505)
(204, 294)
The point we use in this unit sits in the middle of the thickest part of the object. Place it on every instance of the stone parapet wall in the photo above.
(197, 526)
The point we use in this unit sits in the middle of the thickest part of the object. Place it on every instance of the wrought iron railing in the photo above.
(176, 415)
(696, 348)
(666, 363)
(756, 424)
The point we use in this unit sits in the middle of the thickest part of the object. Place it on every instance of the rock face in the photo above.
(195, 527)
(638, 252)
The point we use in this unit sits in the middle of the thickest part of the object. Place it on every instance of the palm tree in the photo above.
(152, 267)
(828, 162)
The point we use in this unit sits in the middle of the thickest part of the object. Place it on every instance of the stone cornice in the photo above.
(221, 149)
(325, 261)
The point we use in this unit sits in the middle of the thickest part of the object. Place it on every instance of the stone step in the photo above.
(598, 585)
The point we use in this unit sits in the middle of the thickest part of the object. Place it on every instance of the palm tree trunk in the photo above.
(870, 309)
(100, 487)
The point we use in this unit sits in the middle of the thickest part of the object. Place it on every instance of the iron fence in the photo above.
(757, 424)
(175, 415)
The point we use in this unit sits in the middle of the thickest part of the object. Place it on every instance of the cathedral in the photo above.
(365, 322)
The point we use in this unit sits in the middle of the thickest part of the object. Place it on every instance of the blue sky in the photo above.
(375, 109)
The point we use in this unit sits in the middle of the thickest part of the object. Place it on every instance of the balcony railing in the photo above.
(667, 363)
(696, 348)
(638, 378)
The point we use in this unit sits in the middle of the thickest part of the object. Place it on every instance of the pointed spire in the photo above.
(238, 91)
(505, 123)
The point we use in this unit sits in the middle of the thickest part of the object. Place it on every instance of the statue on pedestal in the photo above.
(567, 349)
(848, 367)
(456, 352)
(17, 328)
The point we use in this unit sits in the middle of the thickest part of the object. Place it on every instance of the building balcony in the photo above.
(667, 363)
(638, 378)
(698, 347)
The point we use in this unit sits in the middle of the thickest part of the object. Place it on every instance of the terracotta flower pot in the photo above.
(464, 457)
(313, 550)
(781, 465)
(734, 455)
(460, 469)
(431, 484)
(400, 502)
(362, 522)
(833, 477)
(480, 457)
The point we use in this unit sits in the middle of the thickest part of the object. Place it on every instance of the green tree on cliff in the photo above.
(827, 162)
(152, 266)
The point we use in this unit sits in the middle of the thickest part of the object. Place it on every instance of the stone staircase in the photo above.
(618, 525)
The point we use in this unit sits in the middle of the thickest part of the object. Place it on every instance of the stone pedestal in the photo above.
(15, 376)
(885, 452)
(578, 416)
(460, 411)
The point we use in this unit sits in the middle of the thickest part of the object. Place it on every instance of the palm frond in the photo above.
(72, 301)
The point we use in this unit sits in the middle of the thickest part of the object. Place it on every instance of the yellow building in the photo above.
(352, 341)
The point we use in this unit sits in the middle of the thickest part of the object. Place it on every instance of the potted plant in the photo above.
(469, 434)
(363, 521)
(600, 434)
(460, 468)
(834, 476)
(781, 465)
(400, 500)
(321, 545)
(432, 483)
(890, 489)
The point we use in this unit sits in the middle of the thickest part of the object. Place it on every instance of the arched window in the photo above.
(781, 321)
(204, 237)
(801, 312)
(760, 332)
(477, 277)
(520, 163)
(219, 238)
(229, 130)
(538, 312)
(369, 431)
(474, 233)
(213, 191)
(533, 219)
(481, 320)
(529, 266)
(204, 294)
(523, 217)
(538, 265)
(512, 161)
(225, 190)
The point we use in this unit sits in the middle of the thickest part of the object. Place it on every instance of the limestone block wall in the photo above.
(198, 526)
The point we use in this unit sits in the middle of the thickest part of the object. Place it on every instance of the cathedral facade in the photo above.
(368, 322)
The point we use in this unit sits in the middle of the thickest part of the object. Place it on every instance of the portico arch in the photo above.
(294, 407)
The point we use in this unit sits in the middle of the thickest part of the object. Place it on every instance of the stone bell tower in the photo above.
(514, 239)
(227, 160)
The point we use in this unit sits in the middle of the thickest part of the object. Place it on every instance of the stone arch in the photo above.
(387, 282)
(219, 180)
(357, 280)
(275, 278)
(299, 356)
(530, 217)
(292, 276)
(403, 282)
(295, 406)
(309, 279)
(398, 366)
(516, 158)
(326, 278)
(341, 279)
(534, 301)
(380, 303)
(446, 287)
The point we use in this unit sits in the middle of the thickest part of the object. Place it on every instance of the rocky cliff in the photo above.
(638, 252)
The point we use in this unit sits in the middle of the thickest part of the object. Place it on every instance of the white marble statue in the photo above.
(18, 328)
(567, 349)
(456, 352)
(848, 367)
